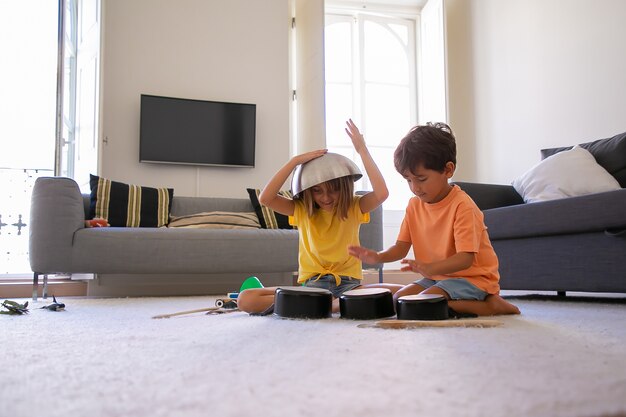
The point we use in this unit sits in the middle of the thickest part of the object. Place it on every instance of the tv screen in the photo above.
(196, 132)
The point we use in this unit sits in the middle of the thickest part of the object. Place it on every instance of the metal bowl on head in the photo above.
(325, 168)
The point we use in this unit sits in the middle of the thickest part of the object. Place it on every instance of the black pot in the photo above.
(303, 303)
(422, 307)
(366, 304)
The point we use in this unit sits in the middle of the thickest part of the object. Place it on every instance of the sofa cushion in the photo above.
(558, 217)
(216, 220)
(610, 153)
(151, 250)
(127, 205)
(268, 218)
(565, 174)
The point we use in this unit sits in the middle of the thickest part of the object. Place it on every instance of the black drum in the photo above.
(422, 307)
(366, 304)
(303, 303)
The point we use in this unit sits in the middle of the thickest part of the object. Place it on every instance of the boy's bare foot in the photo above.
(500, 306)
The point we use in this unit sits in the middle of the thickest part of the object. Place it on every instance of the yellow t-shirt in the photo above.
(324, 239)
(454, 224)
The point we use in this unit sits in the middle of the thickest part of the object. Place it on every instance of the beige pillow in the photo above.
(565, 174)
(217, 220)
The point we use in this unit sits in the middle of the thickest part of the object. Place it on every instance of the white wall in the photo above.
(235, 50)
(529, 74)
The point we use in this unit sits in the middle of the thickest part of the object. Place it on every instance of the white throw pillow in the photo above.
(565, 174)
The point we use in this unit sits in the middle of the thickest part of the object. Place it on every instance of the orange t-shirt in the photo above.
(454, 224)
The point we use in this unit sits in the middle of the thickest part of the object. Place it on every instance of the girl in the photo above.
(328, 216)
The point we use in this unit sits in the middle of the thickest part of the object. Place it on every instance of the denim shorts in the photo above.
(457, 288)
(329, 283)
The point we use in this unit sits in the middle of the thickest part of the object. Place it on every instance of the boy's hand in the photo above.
(455, 263)
(366, 255)
(415, 266)
(355, 135)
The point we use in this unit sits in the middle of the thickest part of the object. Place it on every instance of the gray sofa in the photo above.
(570, 244)
(160, 261)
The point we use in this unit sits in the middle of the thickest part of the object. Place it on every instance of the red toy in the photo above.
(97, 222)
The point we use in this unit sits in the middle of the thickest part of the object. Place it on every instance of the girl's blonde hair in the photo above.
(345, 186)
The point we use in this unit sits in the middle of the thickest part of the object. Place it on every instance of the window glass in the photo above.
(338, 105)
(386, 122)
(337, 51)
(28, 42)
(385, 54)
(370, 77)
(28, 39)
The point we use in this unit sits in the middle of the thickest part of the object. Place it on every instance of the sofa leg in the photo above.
(35, 285)
(44, 293)
(560, 293)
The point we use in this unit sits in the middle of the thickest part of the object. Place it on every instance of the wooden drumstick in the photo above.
(180, 313)
(412, 324)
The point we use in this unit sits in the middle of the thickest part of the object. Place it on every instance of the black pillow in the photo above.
(125, 205)
(610, 153)
(268, 218)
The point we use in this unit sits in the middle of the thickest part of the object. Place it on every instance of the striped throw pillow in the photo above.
(216, 220)
(126, 205)
(268, 218)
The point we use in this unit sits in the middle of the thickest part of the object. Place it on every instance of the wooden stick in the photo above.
(180, 313)
(412, 324)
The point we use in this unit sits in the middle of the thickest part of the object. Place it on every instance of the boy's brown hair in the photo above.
(345, 186)
(431, 146)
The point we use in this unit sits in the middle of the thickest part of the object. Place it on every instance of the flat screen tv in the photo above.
(196, 132)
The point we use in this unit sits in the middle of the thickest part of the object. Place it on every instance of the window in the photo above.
(28, 40)
(38, 90)
(371, 76)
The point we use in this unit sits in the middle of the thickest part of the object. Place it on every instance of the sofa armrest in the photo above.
(488, 196)
(371, 234)
(56, 212)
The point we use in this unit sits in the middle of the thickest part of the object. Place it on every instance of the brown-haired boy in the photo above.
(444, 226)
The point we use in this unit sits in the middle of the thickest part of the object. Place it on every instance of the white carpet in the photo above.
(107, 357)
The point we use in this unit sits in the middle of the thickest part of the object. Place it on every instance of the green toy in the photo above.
(14, 307)
(251, 282)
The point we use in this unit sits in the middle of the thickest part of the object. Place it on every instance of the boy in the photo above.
(450, 243)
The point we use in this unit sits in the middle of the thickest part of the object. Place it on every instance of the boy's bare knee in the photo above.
(410, 289)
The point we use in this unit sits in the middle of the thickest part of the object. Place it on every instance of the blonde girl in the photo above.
(328, 216)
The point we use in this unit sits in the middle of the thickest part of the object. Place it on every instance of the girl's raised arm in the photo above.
(379, 191)
(269, 196)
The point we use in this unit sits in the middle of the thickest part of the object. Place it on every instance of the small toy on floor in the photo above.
(222, 305)
(231, 298)
(14, 308)
(97, 222)
(55, 306)
(227, 303)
